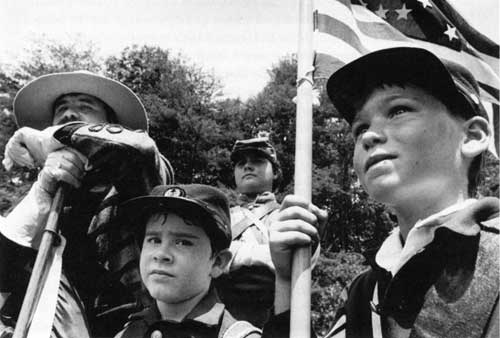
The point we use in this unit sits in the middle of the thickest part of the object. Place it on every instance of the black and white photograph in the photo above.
(249, 168)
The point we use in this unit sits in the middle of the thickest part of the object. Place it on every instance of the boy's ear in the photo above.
(477, 136)
(221, 262)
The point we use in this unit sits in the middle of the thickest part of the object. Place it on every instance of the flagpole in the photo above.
(300, 302)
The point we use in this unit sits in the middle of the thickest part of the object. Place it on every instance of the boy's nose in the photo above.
(70, 115)
(162, 254)
(371, 138)
(248, 165)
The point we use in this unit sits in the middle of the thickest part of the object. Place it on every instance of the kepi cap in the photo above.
(185, 200)
(260, 145)
(449, 82)
(33, 104)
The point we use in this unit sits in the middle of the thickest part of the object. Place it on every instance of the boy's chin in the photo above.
(172, 296)
(167, 297)
(383, 192)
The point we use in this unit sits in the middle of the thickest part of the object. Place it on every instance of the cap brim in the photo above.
(33, 104)
(134, 211)
(400, 65)
(236, 155)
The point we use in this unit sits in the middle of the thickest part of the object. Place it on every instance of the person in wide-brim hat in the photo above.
(34, 103)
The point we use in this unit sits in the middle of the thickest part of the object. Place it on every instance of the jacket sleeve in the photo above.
(24, 224)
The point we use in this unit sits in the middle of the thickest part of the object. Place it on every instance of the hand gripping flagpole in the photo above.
(50, 239)
(300, 302)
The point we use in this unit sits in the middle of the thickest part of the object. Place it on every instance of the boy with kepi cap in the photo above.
(185, 232)
(420, 133)
(248, 287)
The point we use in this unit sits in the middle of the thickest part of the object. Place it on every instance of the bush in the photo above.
(333, 272)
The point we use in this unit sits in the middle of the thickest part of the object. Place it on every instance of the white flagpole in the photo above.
(300, 319)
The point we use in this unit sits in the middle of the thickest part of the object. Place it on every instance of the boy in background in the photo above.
(248, 288)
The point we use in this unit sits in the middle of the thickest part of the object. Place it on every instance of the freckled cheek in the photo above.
(237, 174)
(144, 263)
(357, 162)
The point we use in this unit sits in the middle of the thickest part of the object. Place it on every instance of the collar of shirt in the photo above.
(392, 255)
(247, 202)
(208, 311)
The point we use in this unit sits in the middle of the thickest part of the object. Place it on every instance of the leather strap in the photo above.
(246, 222)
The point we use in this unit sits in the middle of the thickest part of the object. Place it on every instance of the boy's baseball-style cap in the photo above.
(208, 203)
(449, 82)
(259, 145)
(33, 104)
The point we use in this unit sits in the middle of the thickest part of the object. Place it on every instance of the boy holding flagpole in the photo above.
(420, 132)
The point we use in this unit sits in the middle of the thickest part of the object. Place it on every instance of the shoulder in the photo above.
(492, 225)
(135, 328)
(137, 324)
(232, 328)
(486, 213)
(489, 224)
(364, 281)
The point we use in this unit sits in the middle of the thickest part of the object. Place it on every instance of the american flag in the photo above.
(345, 30)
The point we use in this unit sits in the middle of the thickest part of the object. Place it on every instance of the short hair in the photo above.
(192, 219)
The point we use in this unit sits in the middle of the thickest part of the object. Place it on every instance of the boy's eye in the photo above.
(152, 240)
(398, 110)
(358, 130)
(183, 242)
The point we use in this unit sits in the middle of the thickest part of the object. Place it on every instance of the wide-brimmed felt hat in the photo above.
(33, 104)
(259, 145)
(449, 82)
(209, 204)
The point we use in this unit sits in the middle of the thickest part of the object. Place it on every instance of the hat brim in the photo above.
(400, 65)
(134, 212)
(236, 155)
(33, 104)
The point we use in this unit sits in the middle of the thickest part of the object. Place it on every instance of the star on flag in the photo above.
(403, 12)
(425, 3)
(451, 32)
(382, 12)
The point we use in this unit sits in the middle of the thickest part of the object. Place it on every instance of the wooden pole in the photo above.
(50, 239)
(300, 302)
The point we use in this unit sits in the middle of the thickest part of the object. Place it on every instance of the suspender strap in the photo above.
(246, 222)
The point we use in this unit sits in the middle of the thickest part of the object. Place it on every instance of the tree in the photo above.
(49, 56)
(178, 97)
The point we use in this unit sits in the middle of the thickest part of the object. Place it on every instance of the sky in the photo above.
(236, 40)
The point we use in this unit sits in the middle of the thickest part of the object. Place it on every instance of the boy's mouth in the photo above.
(249, 175)
(374, 159)
(161, 273)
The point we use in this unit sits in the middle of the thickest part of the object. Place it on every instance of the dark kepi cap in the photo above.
(260, 145)
(449, 82)
(208, 203)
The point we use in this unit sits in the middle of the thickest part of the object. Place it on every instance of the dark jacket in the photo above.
(208, 319)
(449, 289)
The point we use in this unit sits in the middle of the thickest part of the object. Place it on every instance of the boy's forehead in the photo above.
(71, 97)
(171, 220)
(382, 96)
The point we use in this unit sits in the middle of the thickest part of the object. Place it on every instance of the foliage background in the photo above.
(195, 129)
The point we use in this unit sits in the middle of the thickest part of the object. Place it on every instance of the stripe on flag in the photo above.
(346, 30)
